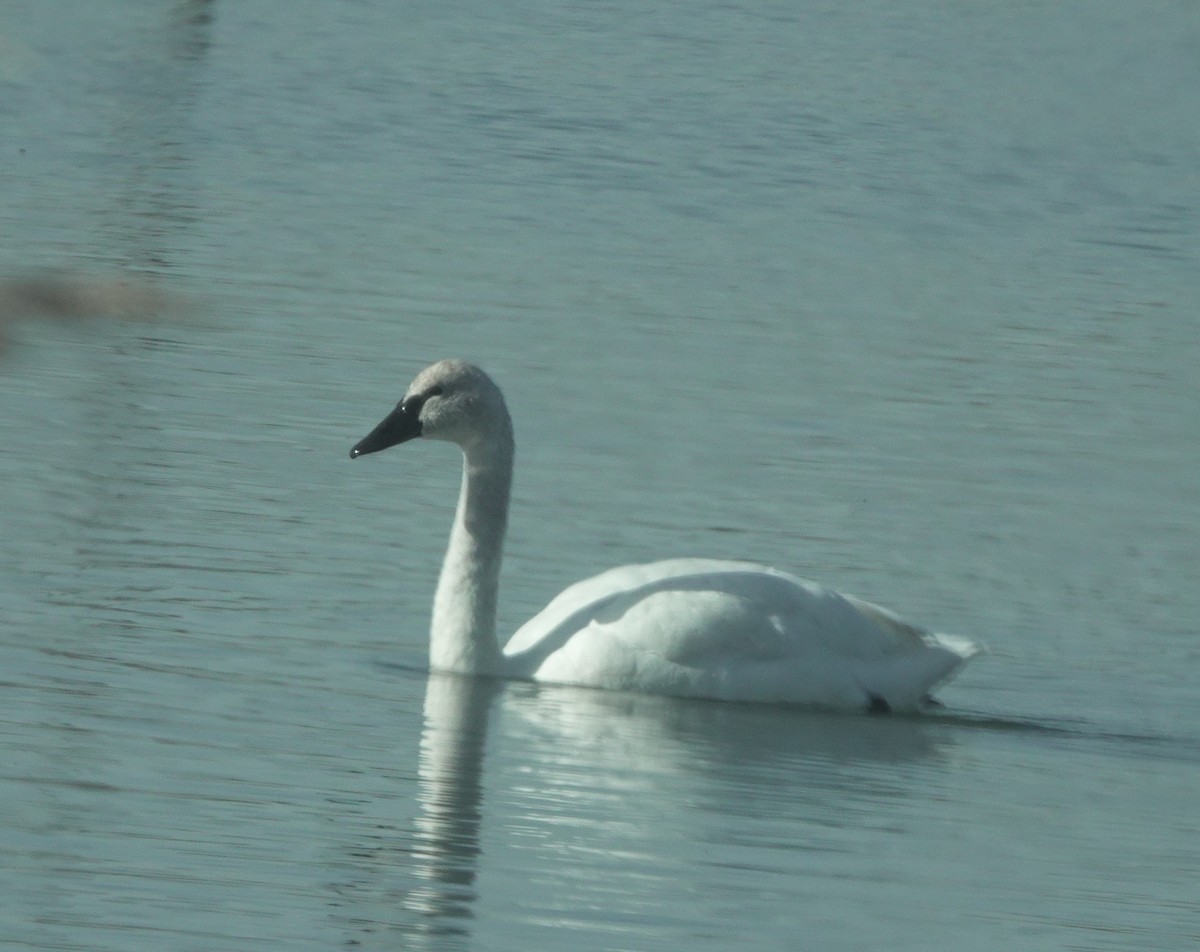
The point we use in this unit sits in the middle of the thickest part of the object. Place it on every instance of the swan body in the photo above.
(735, 631)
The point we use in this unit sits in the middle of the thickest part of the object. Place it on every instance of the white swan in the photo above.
(688, 627)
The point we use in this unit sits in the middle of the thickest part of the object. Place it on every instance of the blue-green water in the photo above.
(899, 297)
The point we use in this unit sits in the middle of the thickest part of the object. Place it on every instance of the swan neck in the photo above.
(463, 635)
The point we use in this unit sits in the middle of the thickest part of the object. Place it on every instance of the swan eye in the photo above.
(414, 403)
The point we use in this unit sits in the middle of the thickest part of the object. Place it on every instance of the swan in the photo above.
(723, 630)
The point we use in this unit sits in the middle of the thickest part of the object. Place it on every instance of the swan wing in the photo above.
(613, 591)
(732, 630)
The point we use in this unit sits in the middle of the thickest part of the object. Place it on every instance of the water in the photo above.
(900, 298)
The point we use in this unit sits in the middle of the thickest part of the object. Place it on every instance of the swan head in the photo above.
(451, 400)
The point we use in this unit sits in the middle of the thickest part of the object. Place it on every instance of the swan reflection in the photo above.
(586, 788)
(446, 848)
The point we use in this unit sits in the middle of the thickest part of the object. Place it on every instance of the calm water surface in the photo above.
(902, 298)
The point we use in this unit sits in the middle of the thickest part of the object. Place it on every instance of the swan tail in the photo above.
(965, 648)
(909, 686)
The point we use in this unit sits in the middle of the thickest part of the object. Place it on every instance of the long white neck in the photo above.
(463, 631)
